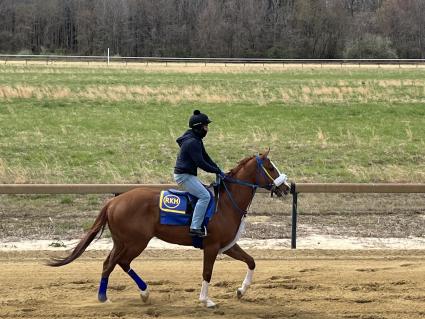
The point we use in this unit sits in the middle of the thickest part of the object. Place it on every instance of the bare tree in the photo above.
(404, 22)
(222, 28)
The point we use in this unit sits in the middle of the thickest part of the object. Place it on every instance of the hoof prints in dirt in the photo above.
(118, 314)
(309, 270)
(75, 285)
(362, 316)
(160, 282)
(372, 269)
(117, 287)
(28, 309)
(415, 298)
(367, 287)
(81, 282)
(279, 315)
(225, 284)
(376, 286)
(364, 300)
(152, 312)
(189, 290)
(287, 282)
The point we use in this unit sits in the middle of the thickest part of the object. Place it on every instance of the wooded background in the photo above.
(216, 28)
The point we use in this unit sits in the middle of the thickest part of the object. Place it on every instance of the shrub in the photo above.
(371, 46)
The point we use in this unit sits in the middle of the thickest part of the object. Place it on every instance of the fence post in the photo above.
(294, 216)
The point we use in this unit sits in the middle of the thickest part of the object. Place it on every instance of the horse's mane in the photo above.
(241, 164)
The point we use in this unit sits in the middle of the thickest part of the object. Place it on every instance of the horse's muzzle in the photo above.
(281, 190)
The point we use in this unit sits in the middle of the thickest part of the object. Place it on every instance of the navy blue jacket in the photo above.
(193, 155)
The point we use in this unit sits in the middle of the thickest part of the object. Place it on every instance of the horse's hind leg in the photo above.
(125, 262)
(238, 253)
(108, 266)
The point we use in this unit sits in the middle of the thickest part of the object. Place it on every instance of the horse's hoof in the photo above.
(209, 303)
(239, 293)
(103, 298)
(144, 294)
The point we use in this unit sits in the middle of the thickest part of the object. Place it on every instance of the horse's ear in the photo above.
(266, 153)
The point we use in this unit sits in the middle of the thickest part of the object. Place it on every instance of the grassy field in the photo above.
(119, 125)
(79, 124)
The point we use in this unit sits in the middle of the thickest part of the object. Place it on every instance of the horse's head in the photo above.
(268, 174)
(259, 172)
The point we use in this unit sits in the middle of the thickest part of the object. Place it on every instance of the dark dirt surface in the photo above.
(359, 215)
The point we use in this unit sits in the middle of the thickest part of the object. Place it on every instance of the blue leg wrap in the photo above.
(142, 285)
(102, 290)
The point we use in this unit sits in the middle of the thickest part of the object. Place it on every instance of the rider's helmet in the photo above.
(198, 119)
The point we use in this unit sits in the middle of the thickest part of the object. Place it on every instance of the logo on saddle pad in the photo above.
(171, 201)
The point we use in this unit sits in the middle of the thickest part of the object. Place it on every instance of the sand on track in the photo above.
(287, 284)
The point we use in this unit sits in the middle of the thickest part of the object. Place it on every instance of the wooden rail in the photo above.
(80, 188)
(295, 190)
(121, 188)
(358, 188)
(75, 188)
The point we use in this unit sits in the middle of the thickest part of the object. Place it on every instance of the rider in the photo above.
(191, 156)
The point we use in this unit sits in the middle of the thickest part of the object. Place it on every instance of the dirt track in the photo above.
(287, 284)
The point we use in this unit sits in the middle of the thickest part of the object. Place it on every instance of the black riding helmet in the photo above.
(198, 119)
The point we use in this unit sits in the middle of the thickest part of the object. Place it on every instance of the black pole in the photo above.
(294, 216)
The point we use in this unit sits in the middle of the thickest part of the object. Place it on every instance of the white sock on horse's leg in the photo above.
(204, 291)
(203, 296)
(248, 278)
(246, 283)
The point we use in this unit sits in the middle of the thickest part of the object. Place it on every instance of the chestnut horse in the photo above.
(133, 220)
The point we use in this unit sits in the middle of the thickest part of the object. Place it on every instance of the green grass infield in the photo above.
(119, 124)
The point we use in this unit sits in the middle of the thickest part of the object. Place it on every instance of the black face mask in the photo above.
(200, 132)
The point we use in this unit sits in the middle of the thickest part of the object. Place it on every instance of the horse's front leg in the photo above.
(238, 253)
(210, 255)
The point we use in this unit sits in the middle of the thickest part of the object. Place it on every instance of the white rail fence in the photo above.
(106, 59)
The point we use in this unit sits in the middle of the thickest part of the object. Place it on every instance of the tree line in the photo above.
(216, 28)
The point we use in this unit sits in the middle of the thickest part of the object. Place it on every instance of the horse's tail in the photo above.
(98, 226)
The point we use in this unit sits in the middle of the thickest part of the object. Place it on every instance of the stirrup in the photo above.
(198, 232)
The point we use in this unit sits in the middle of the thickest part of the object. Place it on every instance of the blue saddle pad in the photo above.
(176, 208)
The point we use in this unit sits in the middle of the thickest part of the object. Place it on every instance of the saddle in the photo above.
(176, 208)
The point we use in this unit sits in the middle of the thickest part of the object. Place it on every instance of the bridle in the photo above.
(274, 184)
